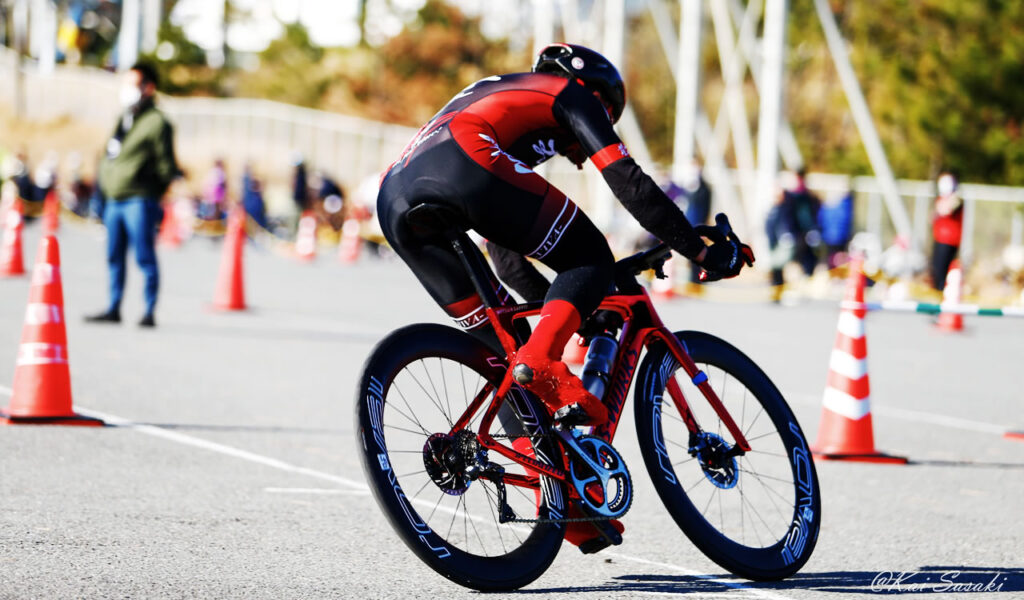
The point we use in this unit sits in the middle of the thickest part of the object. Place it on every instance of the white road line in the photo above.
(221, 448)
(316, 491)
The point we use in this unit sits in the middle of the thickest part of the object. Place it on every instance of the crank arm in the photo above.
(570, 444)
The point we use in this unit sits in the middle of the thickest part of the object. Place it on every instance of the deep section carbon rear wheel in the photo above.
(756, 514)
(439, 488)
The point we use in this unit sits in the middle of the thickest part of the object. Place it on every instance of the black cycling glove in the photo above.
(725, 257)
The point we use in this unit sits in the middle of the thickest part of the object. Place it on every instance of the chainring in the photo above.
(599, 475)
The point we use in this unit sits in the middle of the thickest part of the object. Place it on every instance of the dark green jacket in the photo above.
(140, 159)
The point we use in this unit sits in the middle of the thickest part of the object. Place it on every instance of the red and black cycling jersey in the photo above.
(511, 123)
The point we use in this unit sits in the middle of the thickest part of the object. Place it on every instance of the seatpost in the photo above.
(477, 272)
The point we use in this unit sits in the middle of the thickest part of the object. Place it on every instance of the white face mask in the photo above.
(947, 185)
(129, 96)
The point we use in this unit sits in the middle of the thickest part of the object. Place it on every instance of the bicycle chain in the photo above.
(503, 505)
(501, 497)
(565, 520)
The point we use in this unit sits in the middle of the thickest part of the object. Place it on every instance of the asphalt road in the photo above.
(232, 472)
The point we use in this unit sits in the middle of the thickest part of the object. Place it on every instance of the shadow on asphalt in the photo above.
(929, 579)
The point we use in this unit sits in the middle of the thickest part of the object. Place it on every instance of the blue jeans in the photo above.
(132, 221)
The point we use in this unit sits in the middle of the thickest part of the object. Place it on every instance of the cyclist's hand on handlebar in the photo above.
(726, 255)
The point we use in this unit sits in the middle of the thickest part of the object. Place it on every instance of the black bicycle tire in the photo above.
(791, 552)
(495, 573)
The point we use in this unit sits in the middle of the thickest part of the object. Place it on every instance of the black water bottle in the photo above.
(598, 365)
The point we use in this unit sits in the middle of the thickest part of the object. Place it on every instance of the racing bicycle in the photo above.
(479, 481)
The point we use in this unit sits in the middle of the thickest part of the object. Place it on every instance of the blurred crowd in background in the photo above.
(807, 233)
(200, 200)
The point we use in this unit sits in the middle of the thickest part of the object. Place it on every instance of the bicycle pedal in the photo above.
(609, 536)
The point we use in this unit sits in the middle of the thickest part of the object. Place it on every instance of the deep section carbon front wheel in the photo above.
(442, 492)
(756, 514)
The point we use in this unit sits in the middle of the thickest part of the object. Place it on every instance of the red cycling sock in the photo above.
(559, 319)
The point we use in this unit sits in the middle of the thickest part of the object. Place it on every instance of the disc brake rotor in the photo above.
(450, 461)
(715, 458)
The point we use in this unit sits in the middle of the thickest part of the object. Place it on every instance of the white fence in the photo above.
(268, 133)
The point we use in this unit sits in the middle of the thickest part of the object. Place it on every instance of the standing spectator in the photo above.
(835, 221)
(252, 197)
(215, 192)
(300, 189)
(16, 170)
(331, 199)
(300, 184)
(947, 227)
(44, 179)
(81, 190)
(138, 167)
(804, 206)
(781, 231)
(698, 209)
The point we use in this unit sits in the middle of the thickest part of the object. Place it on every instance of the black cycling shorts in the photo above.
(504, 201)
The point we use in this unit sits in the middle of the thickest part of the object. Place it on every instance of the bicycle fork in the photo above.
(699, 379)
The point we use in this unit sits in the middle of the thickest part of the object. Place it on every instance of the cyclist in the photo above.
(475, 157)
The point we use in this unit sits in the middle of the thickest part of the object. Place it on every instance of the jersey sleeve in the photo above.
(582, 113)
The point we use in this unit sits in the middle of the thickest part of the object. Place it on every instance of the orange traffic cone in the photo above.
(170, 232)
(951, 296)
(351, 241)
(665, 288)
(12, 263)
(51, 213)
(575, 352)
(846, 432)
(42, 381)
(305, 242)
(230, 293)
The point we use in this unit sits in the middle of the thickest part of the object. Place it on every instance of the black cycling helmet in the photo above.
(593, 70)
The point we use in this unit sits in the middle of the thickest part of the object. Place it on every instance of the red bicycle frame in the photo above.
(641, 327)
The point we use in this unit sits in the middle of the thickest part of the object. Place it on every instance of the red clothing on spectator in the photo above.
(947, 229)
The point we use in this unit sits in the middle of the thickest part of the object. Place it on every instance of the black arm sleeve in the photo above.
(581, 112)
(651, 207)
